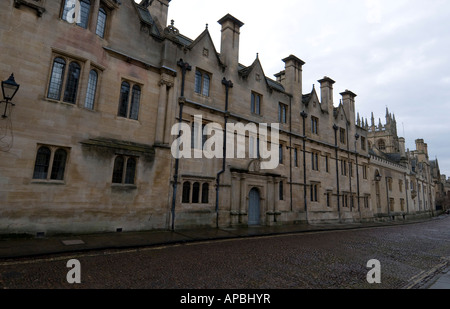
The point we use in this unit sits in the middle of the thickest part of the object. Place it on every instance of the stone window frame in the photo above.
(49, 178)
(200, 198)
(199, 84)
(130, 100)
(83, 81)
(124, 181)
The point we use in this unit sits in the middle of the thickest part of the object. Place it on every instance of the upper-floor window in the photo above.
(80, 15)
(315, 125)
(129, 104)
(381, 145)
(59, 75)
(101, 23)
(50, 163)
(256, 103)
(282, 113)
(202, 83)
(342, 136)
(363, 143)
(91, 90)
(315, 161)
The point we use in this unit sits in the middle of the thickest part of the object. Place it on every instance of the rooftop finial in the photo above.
(172, 22)
(206, 26)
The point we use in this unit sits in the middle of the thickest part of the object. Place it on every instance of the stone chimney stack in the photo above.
(401, 146)
(348, 99)
(159, 9)
(229, 47)
(326, 89)
(293, 75)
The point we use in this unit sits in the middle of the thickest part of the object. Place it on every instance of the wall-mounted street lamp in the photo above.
(9, 90)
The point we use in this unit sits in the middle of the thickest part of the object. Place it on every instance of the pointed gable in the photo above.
(257, 69)
(205, 41)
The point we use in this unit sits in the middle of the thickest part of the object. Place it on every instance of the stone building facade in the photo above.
(88, 145)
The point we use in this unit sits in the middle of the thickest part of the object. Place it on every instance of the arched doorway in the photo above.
(254, 210)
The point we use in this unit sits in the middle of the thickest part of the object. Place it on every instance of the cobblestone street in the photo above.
(410, 255)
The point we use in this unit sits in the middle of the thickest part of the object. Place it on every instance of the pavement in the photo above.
(21, 247)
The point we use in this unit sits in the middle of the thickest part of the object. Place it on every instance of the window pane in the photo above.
(69, 5)
(206, 81)
(205, 193)
(54, 89)
(84, 13)
(131, 171)
(281, 191)
(101, 23)
(73, 77)
(118, 170)
(59, 165)
(92, 88)
(123, 104)
(253, 103)
(258, 105)
(135, 99)
(198, 82)
(196, 193)
(186, 192)
(42, 163)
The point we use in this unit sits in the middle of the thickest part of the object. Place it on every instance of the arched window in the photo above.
(196, 193)
(59, 165)
(42, 163)
(381, 145)
(135, 101)
(73, 77)
(186, 192)
(101, 23)
(124, 94)
(205, 193)
(91, 90)
(118, 170)
(56, 80)
(130, 172)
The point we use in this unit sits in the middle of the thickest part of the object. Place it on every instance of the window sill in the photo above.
(127, 119)
(60, 102)
(123, 186)
(48, 182)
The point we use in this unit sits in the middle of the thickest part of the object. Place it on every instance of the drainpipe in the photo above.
(304, 116)
(184, 68)
(335, 128)
(228, 85)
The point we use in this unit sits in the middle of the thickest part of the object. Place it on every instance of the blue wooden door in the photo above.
(254, 207)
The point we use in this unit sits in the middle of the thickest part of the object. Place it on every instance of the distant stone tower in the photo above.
(384, 137)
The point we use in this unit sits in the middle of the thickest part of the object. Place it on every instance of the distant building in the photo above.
(87, 146)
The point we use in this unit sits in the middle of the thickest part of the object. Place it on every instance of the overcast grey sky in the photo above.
(392, 54)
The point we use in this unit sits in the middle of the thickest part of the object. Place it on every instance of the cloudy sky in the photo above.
(392, 54)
